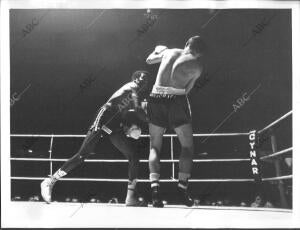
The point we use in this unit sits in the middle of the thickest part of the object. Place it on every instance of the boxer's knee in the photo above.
(153, 156)
(154, 165)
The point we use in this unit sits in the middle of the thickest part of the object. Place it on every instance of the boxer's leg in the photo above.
(156, 138)
(157, 111)
(86, 148)
(128, 147)
(88, 145)
(181, 119)
(185, 136)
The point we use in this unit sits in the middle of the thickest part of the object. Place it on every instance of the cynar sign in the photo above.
(254, 159)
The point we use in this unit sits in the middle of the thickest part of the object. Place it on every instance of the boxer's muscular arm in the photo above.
(127, 99)
(135, 99)
(157, 55)
(191, 84)
(139, 107)
(195, 74)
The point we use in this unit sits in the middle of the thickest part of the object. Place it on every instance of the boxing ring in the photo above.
(117, 215)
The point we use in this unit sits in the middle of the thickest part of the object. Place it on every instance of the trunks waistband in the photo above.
(164, 96)
(162, 90)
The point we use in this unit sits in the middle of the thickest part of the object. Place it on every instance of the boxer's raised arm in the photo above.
(156, 55)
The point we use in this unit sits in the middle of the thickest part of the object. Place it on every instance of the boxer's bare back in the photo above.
(178, 68)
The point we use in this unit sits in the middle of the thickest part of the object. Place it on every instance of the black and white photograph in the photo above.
(139, 114)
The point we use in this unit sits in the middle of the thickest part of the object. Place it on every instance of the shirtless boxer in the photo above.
(169, 107)
(119, 119)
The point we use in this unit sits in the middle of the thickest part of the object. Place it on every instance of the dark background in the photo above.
(73, 60)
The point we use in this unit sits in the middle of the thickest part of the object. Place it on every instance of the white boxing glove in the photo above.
(134, 132)
(159, 49)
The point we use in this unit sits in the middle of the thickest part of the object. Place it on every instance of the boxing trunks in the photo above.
(107, 119)
(168, 107)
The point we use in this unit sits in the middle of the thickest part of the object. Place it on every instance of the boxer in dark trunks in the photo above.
(120, 119)
(168, 106)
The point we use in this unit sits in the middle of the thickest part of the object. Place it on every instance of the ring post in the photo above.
(172, 158)
(277, 161)
(50, 154)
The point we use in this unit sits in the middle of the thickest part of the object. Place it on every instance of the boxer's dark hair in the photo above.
(138, 73)
(142, 83)
(196, 44)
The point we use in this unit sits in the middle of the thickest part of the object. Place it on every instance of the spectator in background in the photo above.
(141, 199)
(288, 161)
(219, 203)
(268, 204)
(75, 200)
(113, 200)
(16, 198)
(258, 202)
(93, 200)
(165, 202)
(243, 204)
(34, 198)
(196, 202)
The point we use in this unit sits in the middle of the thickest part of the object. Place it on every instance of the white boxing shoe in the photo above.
(46, 189)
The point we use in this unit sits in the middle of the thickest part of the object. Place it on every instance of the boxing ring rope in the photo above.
(171, 136)
(120, 161)
(172, 160)
(143, 135)
(276, 122)
(50, 152)
(277, 153)
(195, 160)
(162, 180)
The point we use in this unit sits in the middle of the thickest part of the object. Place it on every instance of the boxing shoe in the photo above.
(156, 200)
(184, 197)
(46, 189)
